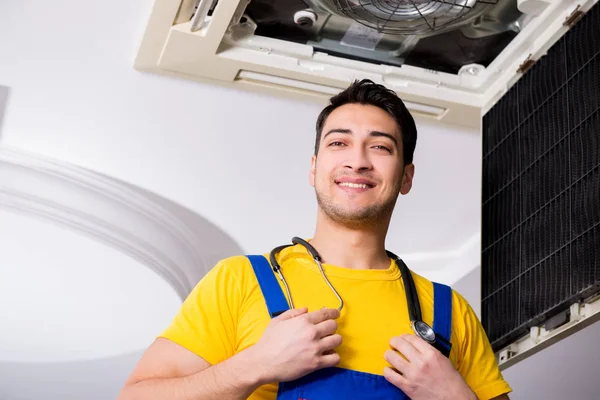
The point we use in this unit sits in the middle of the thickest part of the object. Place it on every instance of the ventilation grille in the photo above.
(410, 17)
(541, 189)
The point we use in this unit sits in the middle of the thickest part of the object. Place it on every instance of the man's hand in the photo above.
(296, 343)
(424, 372)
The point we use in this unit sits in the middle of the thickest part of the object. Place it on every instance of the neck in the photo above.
(354, 248)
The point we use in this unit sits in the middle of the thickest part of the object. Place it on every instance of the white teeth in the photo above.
(354, 185)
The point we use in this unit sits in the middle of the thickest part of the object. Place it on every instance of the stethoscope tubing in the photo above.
(422, 329)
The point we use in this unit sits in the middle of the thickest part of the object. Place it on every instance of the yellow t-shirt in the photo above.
(226, 313)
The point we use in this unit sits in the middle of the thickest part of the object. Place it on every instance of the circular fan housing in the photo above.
(410, 17)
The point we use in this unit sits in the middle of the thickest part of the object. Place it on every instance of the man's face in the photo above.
(359, 170)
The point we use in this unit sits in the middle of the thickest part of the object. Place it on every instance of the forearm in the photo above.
(232, 379)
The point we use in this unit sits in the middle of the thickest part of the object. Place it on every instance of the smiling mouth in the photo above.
(355, 185)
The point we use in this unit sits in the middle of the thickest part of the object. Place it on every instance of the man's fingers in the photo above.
(289, 314)
(330, 342)
(329, 360)
(397, 361)
(405, 347)
(323, 314)
(395, 378)
(418, 343)
(326, 328)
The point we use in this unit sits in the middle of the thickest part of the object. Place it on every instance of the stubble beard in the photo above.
(358, 217)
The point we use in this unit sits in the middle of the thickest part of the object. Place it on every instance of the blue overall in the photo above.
(334, 382)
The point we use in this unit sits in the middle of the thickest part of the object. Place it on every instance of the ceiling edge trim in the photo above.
(112, 212)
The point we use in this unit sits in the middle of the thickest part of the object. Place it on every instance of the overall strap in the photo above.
(442, 316)
(274, 297)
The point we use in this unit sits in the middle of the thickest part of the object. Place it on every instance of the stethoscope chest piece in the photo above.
(424, 331)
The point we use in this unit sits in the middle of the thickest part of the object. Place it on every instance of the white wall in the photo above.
(3, 103)
(566, 370)
(86, 268)
(470, 288)
(98, 379)
(65, 296)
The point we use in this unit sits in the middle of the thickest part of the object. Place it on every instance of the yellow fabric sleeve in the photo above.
(206, 322)
(477, 363)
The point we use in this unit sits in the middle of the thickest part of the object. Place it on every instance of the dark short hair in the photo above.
(369, 93)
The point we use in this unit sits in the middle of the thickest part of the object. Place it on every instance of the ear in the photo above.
(407, 178)
(313, 166)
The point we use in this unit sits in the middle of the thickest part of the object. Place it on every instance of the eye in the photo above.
(380, 147)
(336, 143)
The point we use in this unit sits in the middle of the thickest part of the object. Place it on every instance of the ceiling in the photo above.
(74, 292)
(95, 267)
(204, 147)
(3, 103)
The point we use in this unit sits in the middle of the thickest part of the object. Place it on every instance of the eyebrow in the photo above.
(371, 133)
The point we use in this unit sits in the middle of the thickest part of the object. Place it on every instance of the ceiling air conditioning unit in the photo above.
(450, 60)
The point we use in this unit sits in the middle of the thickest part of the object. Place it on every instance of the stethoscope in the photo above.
(421, 329)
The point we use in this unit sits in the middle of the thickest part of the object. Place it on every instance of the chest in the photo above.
(374, 311)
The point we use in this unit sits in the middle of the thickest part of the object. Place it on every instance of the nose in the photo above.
(358, 160)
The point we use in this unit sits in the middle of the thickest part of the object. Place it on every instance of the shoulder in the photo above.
(459, 304)
(242, 265)
(231, 268)
(427, 286)
(233, 264)
(227, 282)
(234, 273)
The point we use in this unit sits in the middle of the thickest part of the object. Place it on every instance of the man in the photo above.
(224, 344)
